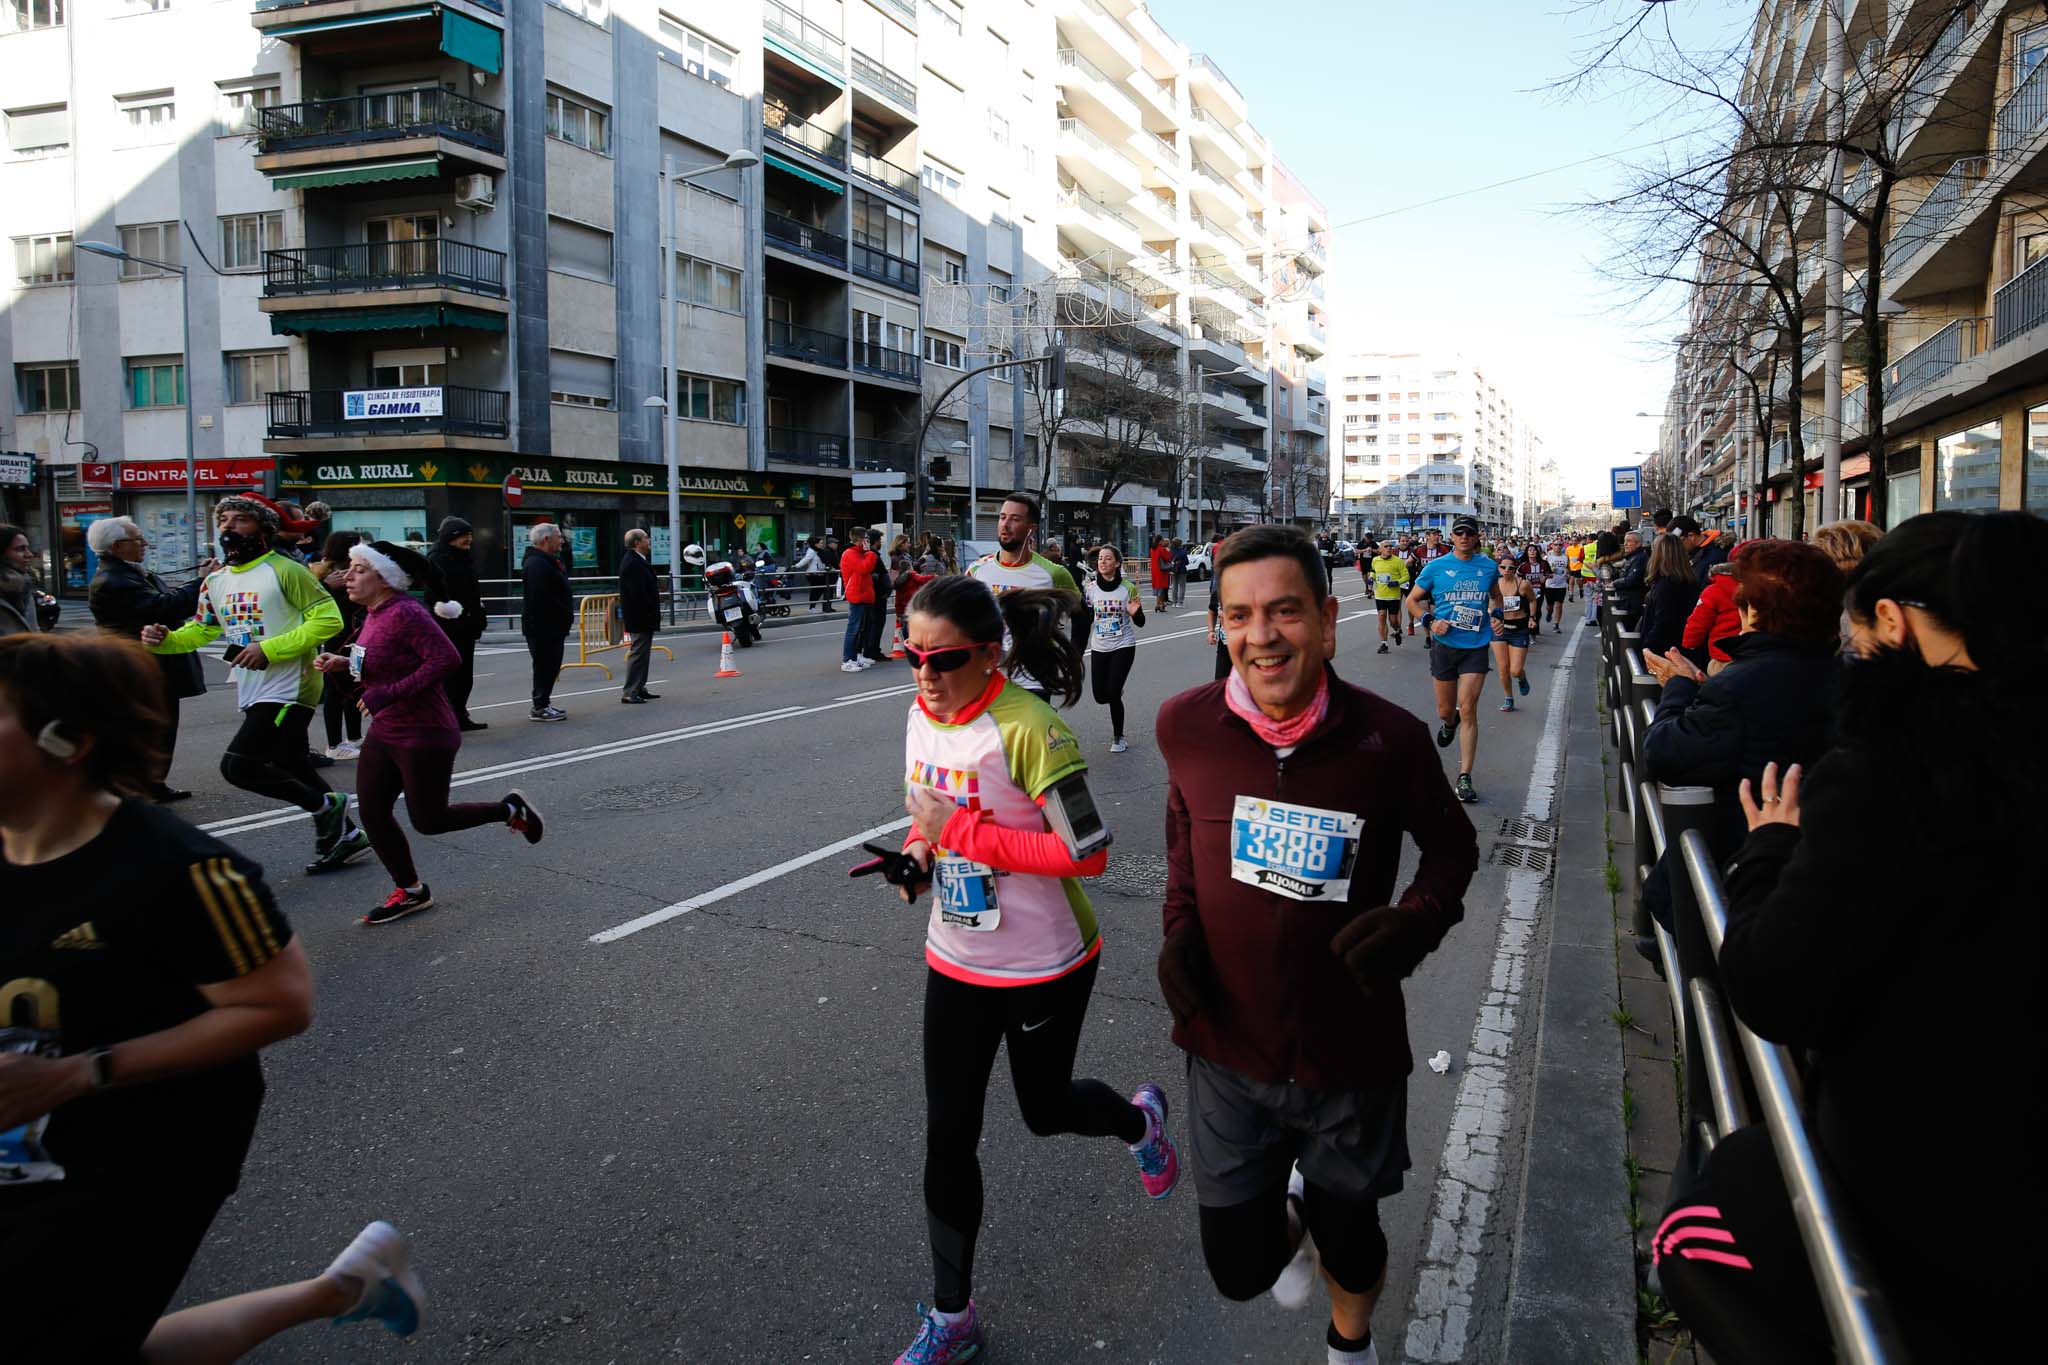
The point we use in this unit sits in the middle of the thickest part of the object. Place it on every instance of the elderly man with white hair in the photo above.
(124, 598)
(547, 609)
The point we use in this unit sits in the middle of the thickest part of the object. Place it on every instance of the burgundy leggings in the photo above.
(382, 772)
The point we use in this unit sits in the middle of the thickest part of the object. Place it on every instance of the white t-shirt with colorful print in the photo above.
(1035, 572)
(1113, 608)
(991, 927)
(272, 601)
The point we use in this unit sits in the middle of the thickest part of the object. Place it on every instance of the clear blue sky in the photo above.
(1377, 104)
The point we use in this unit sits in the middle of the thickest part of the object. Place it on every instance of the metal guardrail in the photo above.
(422, 112)
(2023, 112)
(785, 23)
(792, 341)
(779, 123)
(875, 358)
(806, 239)
(1094, 141)
(1933, 358)
(426, 263)
(1932, 214)
(878, 264)
(1719, 1053)
(2021, 303)
(317, 414)
(884, 82)
(795, 445)
(886, 173)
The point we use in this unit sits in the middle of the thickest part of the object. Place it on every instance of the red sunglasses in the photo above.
(939, 660)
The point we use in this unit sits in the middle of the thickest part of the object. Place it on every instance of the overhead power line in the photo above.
(1512, 180)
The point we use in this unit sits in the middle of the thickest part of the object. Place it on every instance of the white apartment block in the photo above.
(424, 253)
(1426, 438)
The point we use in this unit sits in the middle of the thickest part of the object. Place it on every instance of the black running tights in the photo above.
(268, 755)
(963, 1024)
(382, 772)
(1108, 670)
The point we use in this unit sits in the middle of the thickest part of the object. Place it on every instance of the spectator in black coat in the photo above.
(1671, 591)
(454, 555)
(1774, 702)
(1631, 568)
(1884, 920)
(125, 597)
(547, 609)
(639, 615)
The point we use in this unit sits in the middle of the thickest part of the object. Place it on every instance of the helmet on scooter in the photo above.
(693, 555)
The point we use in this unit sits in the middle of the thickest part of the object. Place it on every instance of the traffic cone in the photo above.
(896, 649)
(725, 668)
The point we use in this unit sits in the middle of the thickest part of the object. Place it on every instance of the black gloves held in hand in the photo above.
(1186, 977)
(1381, 945)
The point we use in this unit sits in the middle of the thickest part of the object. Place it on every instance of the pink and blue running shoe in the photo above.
(942, 1343)
(1158, 1162)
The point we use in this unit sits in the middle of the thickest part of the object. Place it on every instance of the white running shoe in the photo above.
(862, 664)
(849, 667)
(345, 752)
(1120, 746)
(380, 1260)
(1298, 1280)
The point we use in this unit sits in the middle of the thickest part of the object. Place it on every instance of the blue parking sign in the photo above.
(1628, 485)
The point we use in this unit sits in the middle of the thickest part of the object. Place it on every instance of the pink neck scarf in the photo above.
(1281, 734)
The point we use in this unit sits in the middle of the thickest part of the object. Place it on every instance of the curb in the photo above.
(1571, 1292)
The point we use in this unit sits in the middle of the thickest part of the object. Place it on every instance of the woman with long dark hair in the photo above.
(1884, 919)
(143, 966)
(1670, 590)
(1003, 823)
(1115, 612)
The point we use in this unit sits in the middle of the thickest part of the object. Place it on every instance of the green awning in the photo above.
(464, 39)
(800, 173)
(385, 319)
(424, 168)
(392, 16)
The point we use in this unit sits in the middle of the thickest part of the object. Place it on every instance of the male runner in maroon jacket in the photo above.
(1289, 792)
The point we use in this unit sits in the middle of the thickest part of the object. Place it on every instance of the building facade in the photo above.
(433, 251)
(1961, 99)
(1424, 439)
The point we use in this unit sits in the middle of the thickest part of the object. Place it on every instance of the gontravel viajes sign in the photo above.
(369, 405)
(228, 473)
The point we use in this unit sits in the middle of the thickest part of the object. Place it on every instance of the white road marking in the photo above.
(746, 883)
(1469, 1172)
(528, 701)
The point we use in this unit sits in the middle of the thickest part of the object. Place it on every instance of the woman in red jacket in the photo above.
(1714, 617)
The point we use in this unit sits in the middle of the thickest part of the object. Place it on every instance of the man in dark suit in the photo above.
(639, 614)
(125, 597)
(547, 610)
(453, 556)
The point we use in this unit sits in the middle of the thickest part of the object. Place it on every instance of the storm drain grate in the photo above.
(1517, 855)
(641, 796)
(1522, 830)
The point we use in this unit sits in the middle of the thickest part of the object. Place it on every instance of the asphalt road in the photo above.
(701, 1141)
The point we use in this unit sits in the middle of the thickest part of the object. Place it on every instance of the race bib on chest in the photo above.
(1511, 603)
(355, 662)
(1299, 852)
(966, 893)
(1386, 579)
(1465, 617)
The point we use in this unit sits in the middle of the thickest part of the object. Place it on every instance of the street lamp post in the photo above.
(1202, 377)
(115, 253)
(665, 402)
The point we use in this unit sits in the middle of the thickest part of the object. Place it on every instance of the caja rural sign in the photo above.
(536, 480)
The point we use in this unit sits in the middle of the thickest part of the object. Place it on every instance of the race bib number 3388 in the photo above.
(1299, 852)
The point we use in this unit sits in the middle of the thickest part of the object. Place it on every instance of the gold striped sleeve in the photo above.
(204, 886)
(244, 895)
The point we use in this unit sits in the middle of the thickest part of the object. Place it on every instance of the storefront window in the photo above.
(1966, 469)
(2036, 493)
(1902, 498)
(400, 525)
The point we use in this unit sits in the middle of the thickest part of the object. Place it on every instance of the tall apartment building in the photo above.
(425, 248)
(1964, 293)
(1424, 439)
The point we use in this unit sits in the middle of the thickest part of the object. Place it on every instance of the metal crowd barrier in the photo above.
(598, 632)
(1724, 1061)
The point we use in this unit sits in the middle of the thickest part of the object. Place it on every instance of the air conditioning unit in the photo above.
(475, 191)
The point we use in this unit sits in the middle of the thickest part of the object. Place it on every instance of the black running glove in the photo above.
(1381, 945)
(1186, 976)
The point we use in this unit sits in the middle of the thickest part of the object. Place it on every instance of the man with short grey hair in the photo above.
(639, 614)
(124, 598)
(547, 610)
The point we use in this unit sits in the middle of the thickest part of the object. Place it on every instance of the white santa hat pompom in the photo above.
(448, 610)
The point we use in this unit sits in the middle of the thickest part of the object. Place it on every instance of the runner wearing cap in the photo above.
(1285, 945)
(1457, 597)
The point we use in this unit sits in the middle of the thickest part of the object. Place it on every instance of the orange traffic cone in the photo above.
(896, 649)
(725, 668)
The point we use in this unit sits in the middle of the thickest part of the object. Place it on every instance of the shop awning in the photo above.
(386, 319)
(464, 39)
(391, 16)
(800, 173)
(426, 168)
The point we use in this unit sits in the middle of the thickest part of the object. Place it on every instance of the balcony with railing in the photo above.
(877, 454)
(1933, 359)
(878, 79)
(803, 239)
(809, 345)
(1927, 221)
(1088, 156)
(878, 170)
(337, 414)
(872, 357)
(1203, 65)
(801, 36)
(2020, 305)
(786, 127)
(2022, 115)
(877, 263)
(374, 121)
(1093, 27)
(1078, 75)
(1219, 135)
(383, 267)
(796, 445)
(905, 9)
